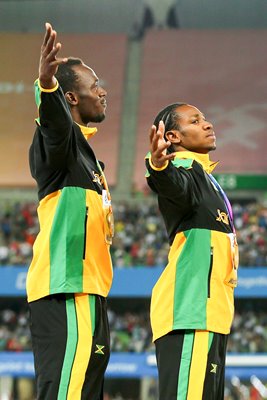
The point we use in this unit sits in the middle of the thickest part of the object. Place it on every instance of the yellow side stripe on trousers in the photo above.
(198, 365)
(84, 347)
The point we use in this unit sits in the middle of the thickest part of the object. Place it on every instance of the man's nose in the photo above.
(102, 92)
(207, 125)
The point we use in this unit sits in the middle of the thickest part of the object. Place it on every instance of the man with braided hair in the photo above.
(71, 271)
(192, 302)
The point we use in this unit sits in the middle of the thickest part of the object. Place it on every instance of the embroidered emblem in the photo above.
(223, 217)
(99, 349)
(214, 368)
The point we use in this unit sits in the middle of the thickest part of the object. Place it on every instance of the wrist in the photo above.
(158, 166)
(47, 88)
(47, 83)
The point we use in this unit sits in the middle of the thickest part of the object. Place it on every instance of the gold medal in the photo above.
(107, 209)
(109, 225)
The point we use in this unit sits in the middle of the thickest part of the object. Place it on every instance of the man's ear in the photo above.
(71, 98)
(173, 136)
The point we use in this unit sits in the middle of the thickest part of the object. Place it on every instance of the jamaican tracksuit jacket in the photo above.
(71, 253)
(195, 290)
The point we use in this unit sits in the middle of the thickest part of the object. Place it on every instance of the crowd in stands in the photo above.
(131, 332)
(249, 332)
(234, 390)
(140, 238)
(23, 388)
(251, 227)
(14, 330)
(18, 229)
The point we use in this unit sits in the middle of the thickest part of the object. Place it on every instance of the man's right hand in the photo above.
(49, 62)
(159, 146)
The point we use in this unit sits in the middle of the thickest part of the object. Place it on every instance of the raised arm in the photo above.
(52, 106)
(55, 120)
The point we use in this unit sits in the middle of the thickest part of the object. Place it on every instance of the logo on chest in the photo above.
(222, 217)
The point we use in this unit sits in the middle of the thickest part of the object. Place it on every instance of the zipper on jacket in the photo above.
(85, 232)
(210, 270)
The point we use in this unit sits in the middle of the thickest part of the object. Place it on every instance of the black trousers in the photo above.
(71, 346)
(191, 365)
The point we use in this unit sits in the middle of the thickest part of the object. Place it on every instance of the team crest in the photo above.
(222, 217)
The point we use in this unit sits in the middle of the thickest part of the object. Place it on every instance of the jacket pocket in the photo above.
(210, 270)
(85, 232)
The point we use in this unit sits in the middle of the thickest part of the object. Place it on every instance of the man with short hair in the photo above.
(192, 302)
(71, 271)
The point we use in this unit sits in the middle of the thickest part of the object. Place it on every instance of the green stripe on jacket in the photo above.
(67, 240)
(192, 275)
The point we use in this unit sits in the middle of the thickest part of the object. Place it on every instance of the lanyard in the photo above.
(105, 184)
(226, 201)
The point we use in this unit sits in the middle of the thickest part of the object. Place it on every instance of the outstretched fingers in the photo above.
(49, 39)
(159, 146)
(50, 44)
(152, 132)
(48, 28)
(49, 60)
(157, 141)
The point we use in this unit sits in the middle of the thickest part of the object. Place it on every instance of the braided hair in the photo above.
(170, 118)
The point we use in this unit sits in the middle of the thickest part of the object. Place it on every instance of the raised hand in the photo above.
(159, 146)
(49, 62)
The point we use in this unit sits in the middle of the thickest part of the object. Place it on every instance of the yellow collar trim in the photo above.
(87, 131)
(202, 159)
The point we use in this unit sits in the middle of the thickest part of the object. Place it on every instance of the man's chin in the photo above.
(212, 147)
(99, 118)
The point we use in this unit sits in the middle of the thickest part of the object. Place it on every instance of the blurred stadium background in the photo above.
(148, 53)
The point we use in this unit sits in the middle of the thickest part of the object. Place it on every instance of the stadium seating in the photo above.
(106, 54)
(214, 71)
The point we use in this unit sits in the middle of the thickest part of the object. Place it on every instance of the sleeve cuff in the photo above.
(155, 168)
(47, 90)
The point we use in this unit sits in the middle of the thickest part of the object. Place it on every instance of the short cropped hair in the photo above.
(66, 75)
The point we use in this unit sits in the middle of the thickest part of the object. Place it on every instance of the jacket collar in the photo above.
(87, 131)
(202, 159)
